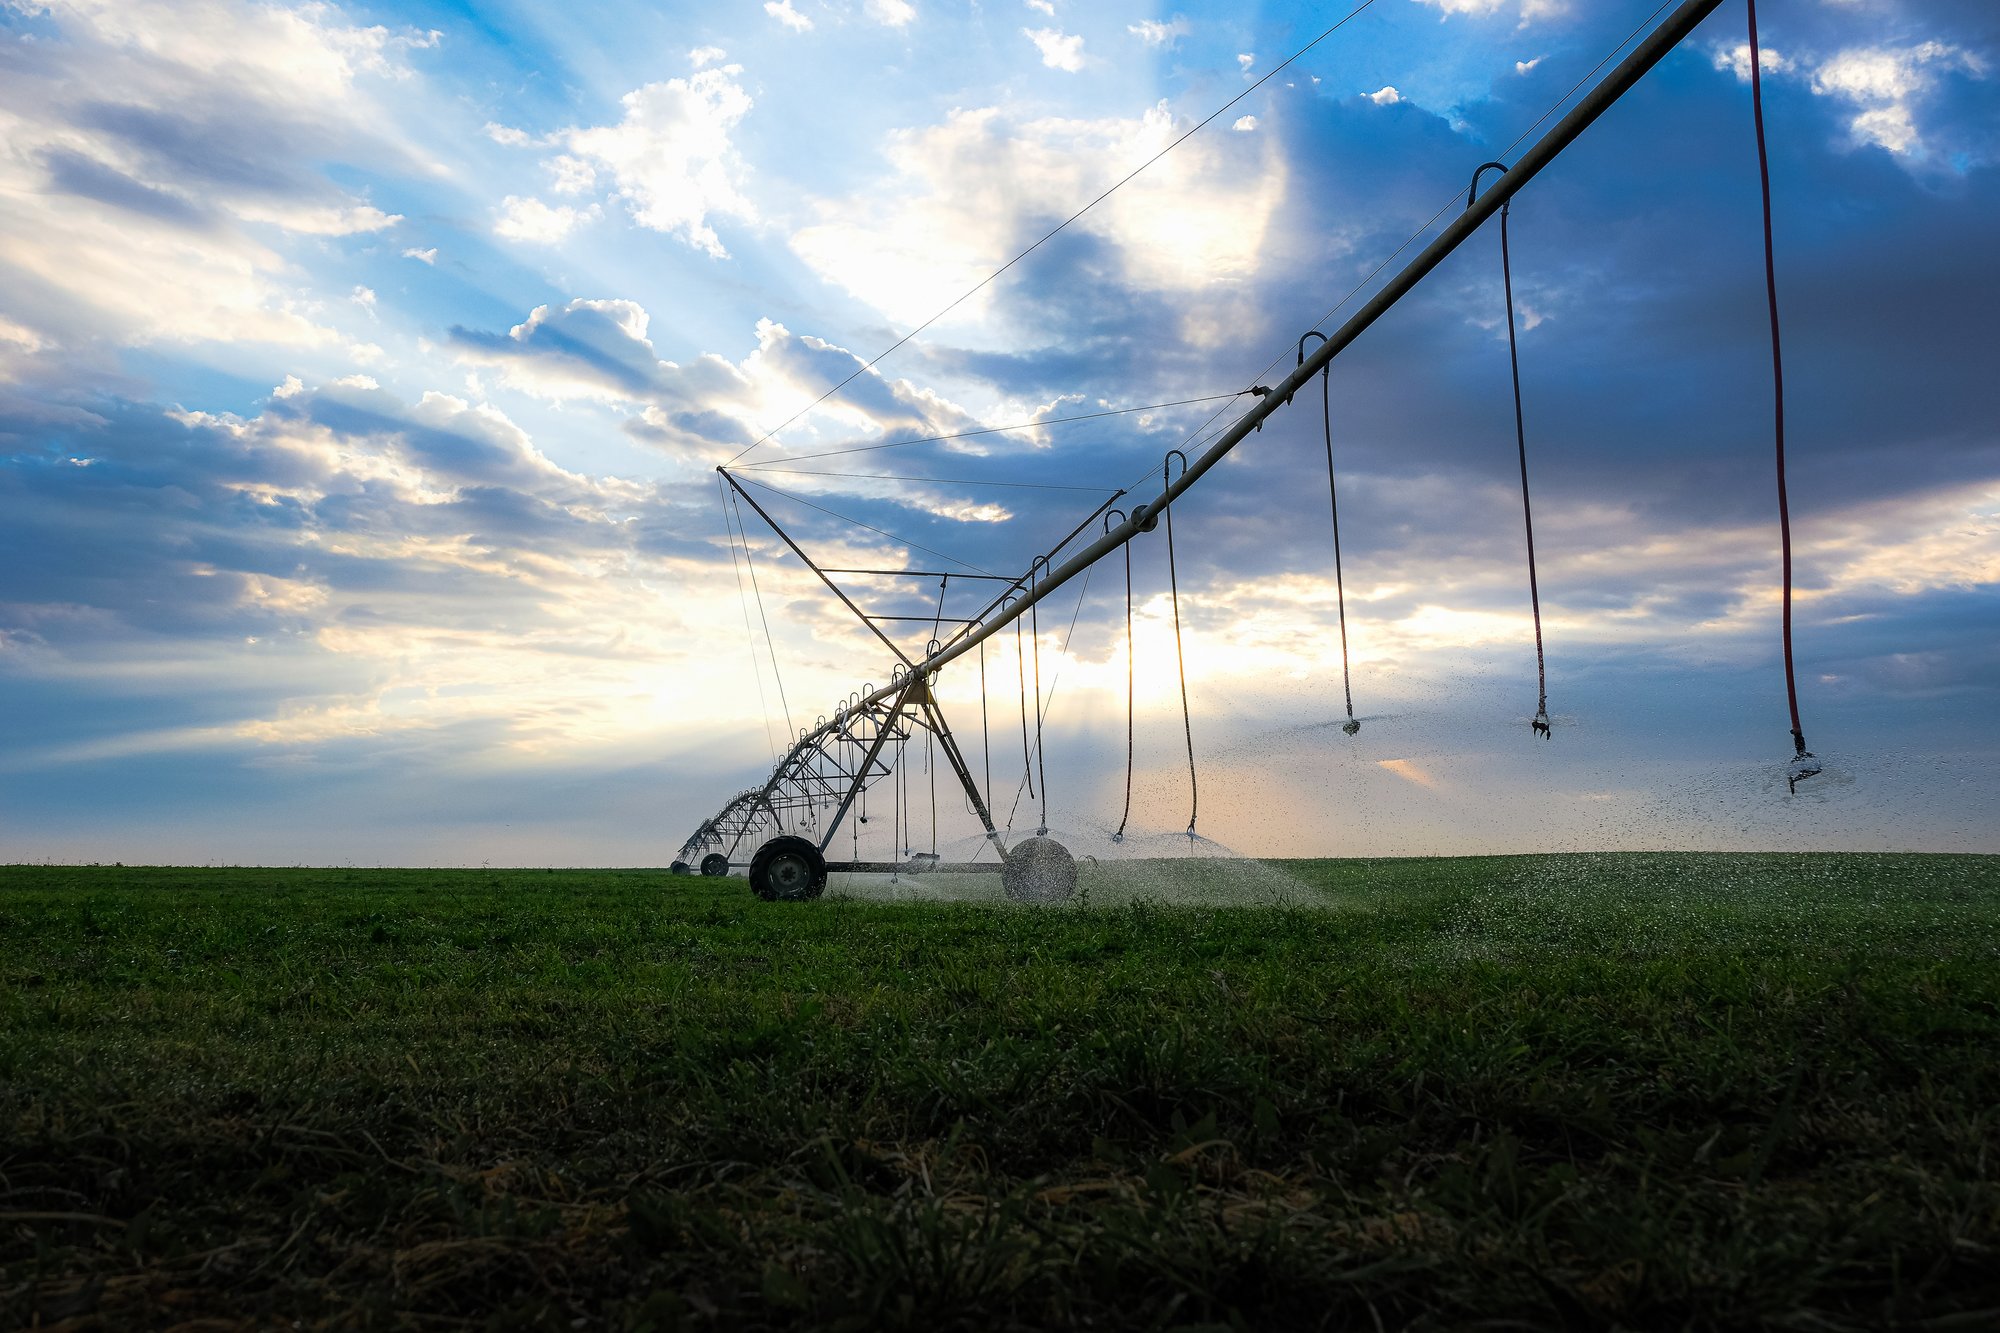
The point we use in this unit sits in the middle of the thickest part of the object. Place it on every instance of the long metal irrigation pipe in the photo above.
(1595, 103)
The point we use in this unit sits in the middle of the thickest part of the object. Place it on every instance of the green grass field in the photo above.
(1672, 1091)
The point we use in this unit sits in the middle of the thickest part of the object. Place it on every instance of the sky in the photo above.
(364, 371)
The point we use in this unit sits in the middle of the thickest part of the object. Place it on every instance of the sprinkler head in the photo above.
(1541, 724)
(1118, 837)
(1352, 727)
(1803, 766)
(1042, 832)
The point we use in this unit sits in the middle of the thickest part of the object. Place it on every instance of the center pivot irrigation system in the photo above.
(788, 823)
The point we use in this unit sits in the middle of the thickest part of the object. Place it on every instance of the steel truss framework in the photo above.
(834, 763)
(833, 766)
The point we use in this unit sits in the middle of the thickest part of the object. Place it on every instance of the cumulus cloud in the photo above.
(1529, 10)
(1384, 97)
(161, 157)
(782, 11)
(1059, 50)
(586, 348)
(1888, 84)
(524, 218)
(669, 159)
(427, 255)
(346, 564)
(710, 407)
(1153, 32)
(1888, 88)
(893, 13)
(967, 194)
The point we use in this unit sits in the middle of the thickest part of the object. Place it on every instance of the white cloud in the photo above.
(365, 298)
(1059, 50)
(708, 408)
(1530, 9)
(669, 159)
(1886, 85)
(782, 11)
(425, 256)
(1042, 6)
(1528, 66)
(1244, 124)
(525, 218)
(1154, 33)
(966, 194)
(507, 135)
(1245, 60)
(1736, 59)
(895, 13)
(157, 164)
(500, 597)
(570, 175)
(1386, 96)
(703, 56)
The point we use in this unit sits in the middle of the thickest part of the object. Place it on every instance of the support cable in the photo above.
(1035, 636)
(772, 466)
(769, 642)
(882, 532)
(1540, 723)
(1048, 702)
(985, 731)
(749, 634)
(1180, 656)
(1021, 670)
(1351, 727)
(1803, 764)
(937, 481)
(1130, 694)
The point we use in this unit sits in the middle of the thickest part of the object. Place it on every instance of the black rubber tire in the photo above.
(1039, 870)
(678, 868)
(788, 869)
(714, 864)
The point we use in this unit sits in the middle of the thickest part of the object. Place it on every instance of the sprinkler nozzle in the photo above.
(1352, 726)
(1541, 724)
(1803, 766)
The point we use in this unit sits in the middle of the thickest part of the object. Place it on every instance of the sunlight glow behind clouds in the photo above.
(473, 530)
(969, 192)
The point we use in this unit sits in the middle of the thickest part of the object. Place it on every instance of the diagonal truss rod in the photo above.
(800, 553)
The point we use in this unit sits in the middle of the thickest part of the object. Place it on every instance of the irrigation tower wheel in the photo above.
(678, 868)
(715, 863)
(1039, 870)
(788, 869)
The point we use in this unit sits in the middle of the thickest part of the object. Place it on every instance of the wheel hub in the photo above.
(1039, 870)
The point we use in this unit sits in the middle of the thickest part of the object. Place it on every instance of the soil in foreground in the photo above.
(1660, 1091)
